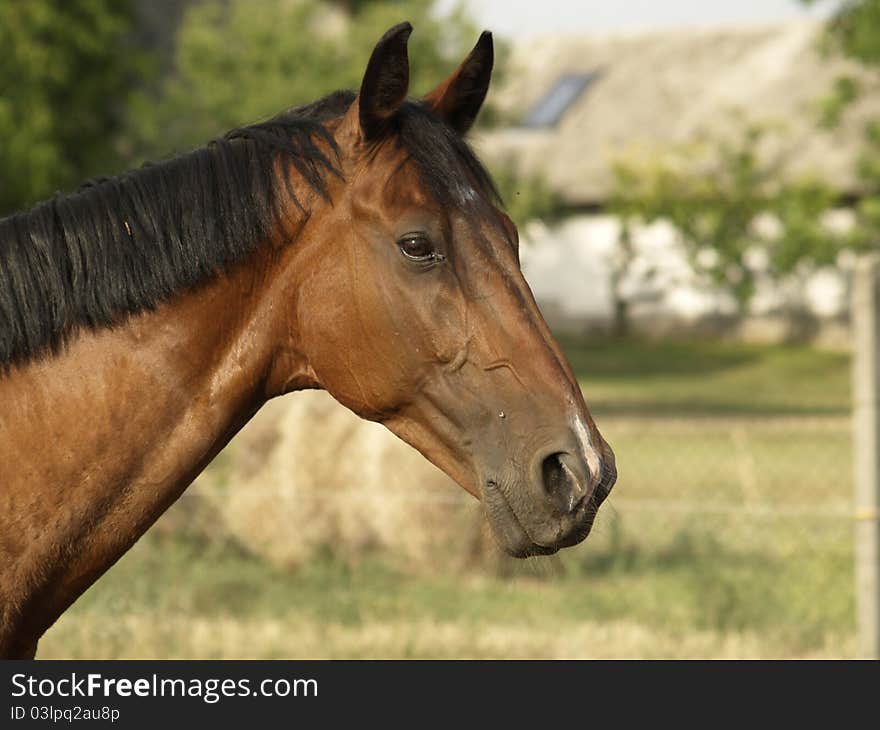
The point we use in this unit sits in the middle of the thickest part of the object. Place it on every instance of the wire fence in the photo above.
(746, 519)
(765, 466)
(746, 483)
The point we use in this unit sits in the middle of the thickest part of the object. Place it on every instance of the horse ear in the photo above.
(386, 81)
(459, 98)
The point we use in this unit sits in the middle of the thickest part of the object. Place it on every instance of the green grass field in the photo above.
(695, 378)
(726, 536)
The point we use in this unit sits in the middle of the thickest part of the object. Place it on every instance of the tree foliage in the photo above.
(235, 65)
(854, 30)
(854, 33)
(79, 97)
(67, 70)
(717, 193)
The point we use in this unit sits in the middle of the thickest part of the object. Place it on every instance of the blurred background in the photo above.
(695, 184)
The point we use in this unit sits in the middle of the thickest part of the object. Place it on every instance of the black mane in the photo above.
(123, 245)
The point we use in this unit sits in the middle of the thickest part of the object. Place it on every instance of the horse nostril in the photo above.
(561, 484)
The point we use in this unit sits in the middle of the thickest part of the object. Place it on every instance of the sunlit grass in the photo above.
(675, 592)
(696, 377)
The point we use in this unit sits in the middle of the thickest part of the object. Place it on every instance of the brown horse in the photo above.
(355, 245)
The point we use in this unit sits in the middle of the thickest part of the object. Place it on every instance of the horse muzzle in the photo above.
(554, 503)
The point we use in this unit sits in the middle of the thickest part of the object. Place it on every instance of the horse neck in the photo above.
(99, 440)
(201, 359)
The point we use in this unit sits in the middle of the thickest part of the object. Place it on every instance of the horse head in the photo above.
(410, 308)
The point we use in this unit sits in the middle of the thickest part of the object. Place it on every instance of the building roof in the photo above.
(612, 96)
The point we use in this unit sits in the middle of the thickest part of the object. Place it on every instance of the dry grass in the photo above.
(298, 636)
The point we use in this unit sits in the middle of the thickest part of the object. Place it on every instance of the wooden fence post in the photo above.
(866, 444)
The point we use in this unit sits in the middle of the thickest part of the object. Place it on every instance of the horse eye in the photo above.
(417, 248)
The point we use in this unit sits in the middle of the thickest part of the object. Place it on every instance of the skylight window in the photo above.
(555, 103)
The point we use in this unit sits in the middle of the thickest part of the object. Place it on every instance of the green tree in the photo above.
(67, 70)
(854, 33)
(237, 61)
(854, 30)
(715, 194)
(715, 201)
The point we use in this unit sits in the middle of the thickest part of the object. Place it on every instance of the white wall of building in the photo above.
(569, 266)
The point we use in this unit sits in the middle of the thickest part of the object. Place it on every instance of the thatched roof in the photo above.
(664, 88)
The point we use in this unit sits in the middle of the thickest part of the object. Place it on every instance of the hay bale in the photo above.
(307, 475)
